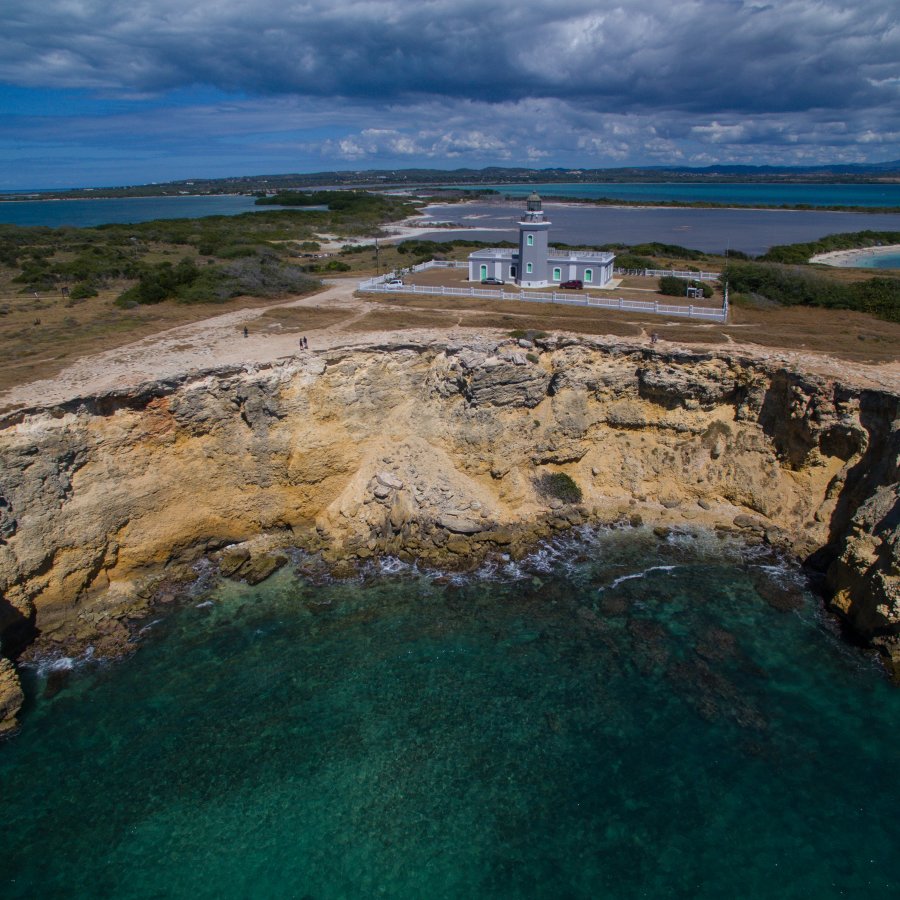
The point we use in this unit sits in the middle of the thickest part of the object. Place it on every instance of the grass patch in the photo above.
(297, 318)
(397, 320)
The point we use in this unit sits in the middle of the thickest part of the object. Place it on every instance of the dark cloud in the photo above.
(707, 55)
(315, 84)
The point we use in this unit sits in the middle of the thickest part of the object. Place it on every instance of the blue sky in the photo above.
(104, 92)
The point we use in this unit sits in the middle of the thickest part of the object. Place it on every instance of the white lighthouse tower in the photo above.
(533, 244)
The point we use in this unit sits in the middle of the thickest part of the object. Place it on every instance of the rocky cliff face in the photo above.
(433, 452)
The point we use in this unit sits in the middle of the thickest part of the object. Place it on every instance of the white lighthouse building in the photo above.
(534, 264)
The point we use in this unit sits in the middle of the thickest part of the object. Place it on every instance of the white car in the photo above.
(394, 282)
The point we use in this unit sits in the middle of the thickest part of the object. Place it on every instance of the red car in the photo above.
(573, 285)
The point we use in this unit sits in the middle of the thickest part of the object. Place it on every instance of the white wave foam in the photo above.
(623, 578)
(390, 565)
(49, 664)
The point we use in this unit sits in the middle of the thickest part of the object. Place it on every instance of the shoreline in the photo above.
(515, 544)
(848, 258)
(441, 459)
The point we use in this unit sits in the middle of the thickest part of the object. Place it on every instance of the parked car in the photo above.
(573, 284)
(492, 281)
(394, 282)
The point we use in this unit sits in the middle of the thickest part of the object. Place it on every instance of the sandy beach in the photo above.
(852, 257)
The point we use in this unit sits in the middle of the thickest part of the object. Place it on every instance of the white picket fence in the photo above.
(440, 264)
(377, 285)
(672, 273)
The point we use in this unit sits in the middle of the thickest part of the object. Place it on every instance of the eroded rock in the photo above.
(11, 696)
(410, 449)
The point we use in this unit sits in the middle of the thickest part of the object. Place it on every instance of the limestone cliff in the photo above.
(431, 451)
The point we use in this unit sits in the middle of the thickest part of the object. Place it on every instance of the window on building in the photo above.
(529, 268)
(557, 274)
(588, 275)
(483, 272)
(513, 271)
(529, 240)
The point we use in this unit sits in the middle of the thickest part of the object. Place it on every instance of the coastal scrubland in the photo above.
(68, 292)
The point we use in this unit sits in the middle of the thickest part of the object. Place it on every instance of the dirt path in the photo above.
(219, 341)
(214, 341)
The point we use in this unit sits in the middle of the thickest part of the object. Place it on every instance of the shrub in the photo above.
(633, 261)
(795, 286)
(558, 486)
(529, 334)
(82, 291)
(677, 287)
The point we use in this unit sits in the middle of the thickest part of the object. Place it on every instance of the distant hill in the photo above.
(269, 184)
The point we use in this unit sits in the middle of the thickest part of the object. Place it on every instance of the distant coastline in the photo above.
(849, 196)
(854, 258)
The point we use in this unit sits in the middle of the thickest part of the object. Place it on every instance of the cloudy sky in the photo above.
(102, 92)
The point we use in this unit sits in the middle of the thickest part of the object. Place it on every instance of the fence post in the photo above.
(691, 311)
(620, 302)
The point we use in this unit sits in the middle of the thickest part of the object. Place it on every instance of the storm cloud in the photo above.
(569, 82)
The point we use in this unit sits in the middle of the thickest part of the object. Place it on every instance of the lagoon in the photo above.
(88, 213)
(874, 195)
(710, 230)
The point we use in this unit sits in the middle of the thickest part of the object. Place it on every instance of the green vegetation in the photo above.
(357, 207)
(794, 286)
(677, 287)
(190, 260)
(558, 486)
(654, 248)
(260, 276)
(529, 334)
(797, 254)
(421, 251)
(633, 261)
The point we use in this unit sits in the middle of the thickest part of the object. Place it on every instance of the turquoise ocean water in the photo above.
(616, 717)
(737, 194)
(87, 213)
(884, 261)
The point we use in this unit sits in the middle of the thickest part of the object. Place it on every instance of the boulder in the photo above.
(749, 523)
(459, 524)
(259, 568)
(503, 384)
(232, 560)
(11, 696)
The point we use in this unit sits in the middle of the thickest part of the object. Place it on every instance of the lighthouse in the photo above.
(533, 264)
(533, 244)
